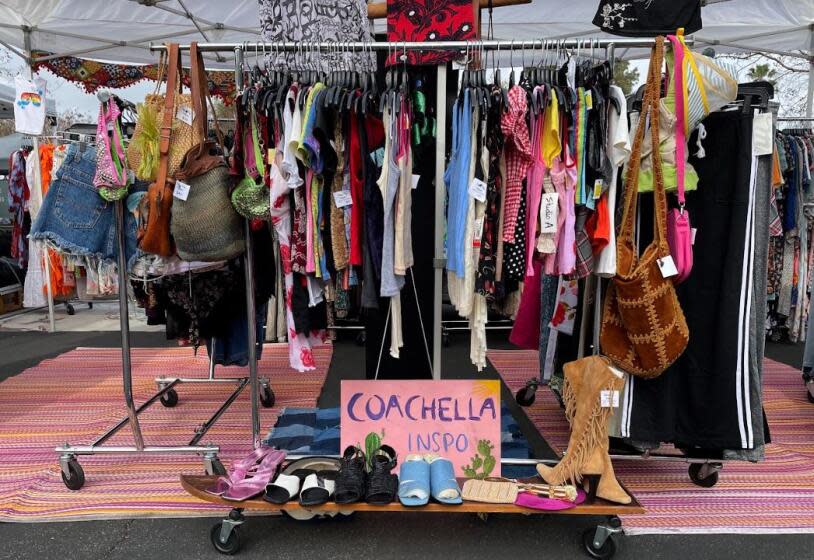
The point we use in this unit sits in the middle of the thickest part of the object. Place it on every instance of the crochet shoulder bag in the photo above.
(643, 327)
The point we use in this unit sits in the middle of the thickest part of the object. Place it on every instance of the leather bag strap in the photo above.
(650, 108)
(169, 113)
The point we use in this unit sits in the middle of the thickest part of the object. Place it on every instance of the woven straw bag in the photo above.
(643, 327)
(205, 226)
(142, 152)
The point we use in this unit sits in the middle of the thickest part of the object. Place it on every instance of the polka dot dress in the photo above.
(514, 254)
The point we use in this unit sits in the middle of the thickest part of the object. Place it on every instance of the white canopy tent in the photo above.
(121, 30)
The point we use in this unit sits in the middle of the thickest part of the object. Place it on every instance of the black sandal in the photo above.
(381, 483)
(350, 483)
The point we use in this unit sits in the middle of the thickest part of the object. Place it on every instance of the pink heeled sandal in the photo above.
(256, 480)
(239, 469)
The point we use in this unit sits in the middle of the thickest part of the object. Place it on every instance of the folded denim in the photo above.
(73, 215)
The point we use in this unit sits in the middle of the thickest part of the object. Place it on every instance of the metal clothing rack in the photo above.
(224, 533)
(72, 473)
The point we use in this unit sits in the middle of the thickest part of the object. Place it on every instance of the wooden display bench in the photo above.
(598, 541)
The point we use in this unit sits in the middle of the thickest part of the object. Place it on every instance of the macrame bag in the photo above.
(643, 327)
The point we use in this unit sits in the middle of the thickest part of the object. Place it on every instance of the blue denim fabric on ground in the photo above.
(73, 215)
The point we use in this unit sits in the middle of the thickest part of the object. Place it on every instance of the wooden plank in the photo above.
(378, 10)
(197, 485)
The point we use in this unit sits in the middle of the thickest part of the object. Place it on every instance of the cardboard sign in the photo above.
(459, 420)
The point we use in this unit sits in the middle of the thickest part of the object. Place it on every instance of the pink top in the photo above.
(534, 188)
(518, 157)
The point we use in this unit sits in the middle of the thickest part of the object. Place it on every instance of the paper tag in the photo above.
(185, 114)
(416, 179)
(571, 75)
(271, 154)
(763, 135)
(342, 199)
(477, 190)
(589, 99)
(549, 208)
(109, 127)
(667, 266)
(599, 185)
(181, 191)
(693, 231)
(609, 399)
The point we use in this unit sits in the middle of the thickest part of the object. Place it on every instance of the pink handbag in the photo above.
(679, 231)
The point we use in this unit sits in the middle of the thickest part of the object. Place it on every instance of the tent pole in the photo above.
(810, 98)
(29, 64)
(440, 201)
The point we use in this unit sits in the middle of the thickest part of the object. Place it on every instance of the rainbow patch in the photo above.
(31, 97)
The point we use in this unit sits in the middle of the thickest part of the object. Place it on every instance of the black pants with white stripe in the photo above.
(704, 399)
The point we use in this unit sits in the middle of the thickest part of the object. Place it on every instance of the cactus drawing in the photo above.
(372, 442)
(482, 463)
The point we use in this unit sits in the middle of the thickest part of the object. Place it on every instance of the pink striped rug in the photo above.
(774, 496)
(77, 396)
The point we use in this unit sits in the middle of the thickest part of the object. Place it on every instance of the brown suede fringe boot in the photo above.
(587, 455)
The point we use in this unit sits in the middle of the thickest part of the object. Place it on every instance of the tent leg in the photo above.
(810, 98)
(38, 180)
(440, 201)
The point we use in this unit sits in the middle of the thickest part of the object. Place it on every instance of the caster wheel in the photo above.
(695, 476)
(267, 397)
(170, 398)
(526, 395)
(77, 478)
(607, 550)
(70, 309)
(232, 544)
(361, 339)
(90, 305)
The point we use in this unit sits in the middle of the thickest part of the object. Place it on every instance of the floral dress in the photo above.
(300, 354)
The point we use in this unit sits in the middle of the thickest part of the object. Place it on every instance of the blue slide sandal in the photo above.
(445, 488)
(414, 483)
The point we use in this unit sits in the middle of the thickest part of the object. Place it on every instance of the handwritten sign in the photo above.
(459, 420)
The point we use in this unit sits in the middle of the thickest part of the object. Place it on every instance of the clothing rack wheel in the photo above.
(705, 475)
(225, 536)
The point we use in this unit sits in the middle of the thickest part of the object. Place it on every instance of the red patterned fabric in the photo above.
(518, 157)
(430, 20)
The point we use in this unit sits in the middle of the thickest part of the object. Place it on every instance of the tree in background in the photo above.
(625, 77)
(762, 73)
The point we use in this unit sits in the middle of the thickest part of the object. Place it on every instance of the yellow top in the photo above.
(551, 145)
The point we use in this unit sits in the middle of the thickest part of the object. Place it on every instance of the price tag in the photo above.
(667, 266)
(549, 208)
(693, 231)
(185, 114)
(589, 99)
(342, 199)
(181, 191)
(109, 127)
(477, 190)
(271, 153)
(599, 186)
(477, 232)
(609, 399)
(416, 178)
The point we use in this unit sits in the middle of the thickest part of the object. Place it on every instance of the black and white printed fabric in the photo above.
(711, 398)
(311, 21)
(646, 18)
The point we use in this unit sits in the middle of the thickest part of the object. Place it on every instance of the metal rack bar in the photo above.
(362, 46)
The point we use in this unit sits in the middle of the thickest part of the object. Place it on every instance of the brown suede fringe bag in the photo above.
(643, 328)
